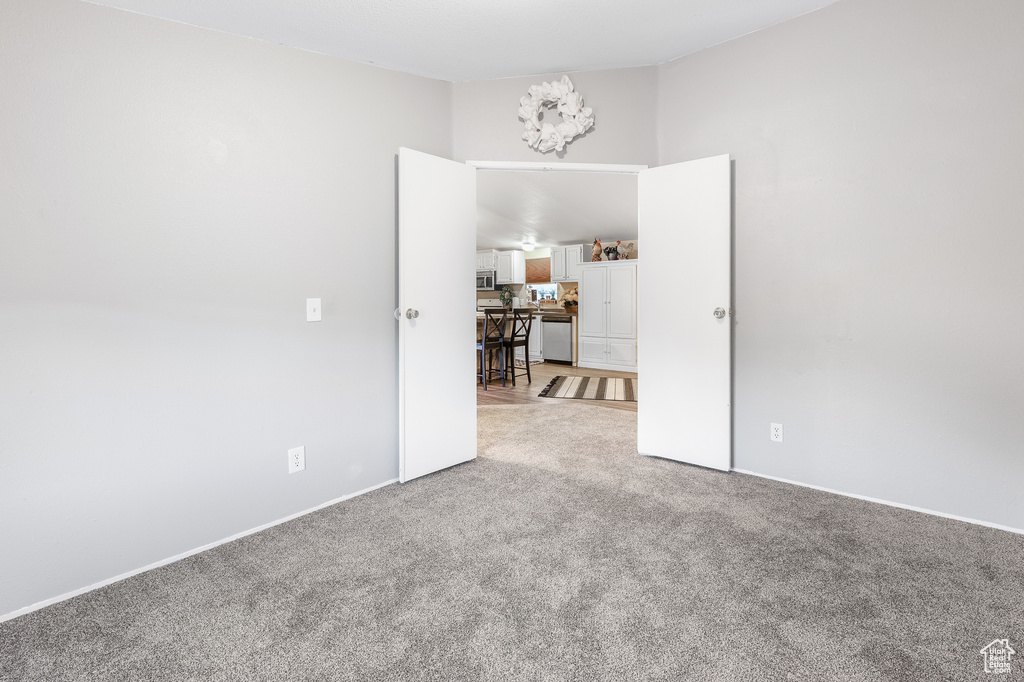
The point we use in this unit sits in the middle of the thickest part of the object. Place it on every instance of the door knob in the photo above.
(719, 313)
(412, 314)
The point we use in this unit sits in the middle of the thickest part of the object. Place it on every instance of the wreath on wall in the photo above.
(576, 118)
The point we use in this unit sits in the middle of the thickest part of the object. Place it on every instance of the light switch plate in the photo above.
(313, 312)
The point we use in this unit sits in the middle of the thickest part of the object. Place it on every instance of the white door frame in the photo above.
(557, 167)
(625, 169)
(534, 166)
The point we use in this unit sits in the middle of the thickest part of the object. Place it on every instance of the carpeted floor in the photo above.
(559, 554)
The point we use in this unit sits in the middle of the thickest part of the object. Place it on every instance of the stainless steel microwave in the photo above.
(485, 280)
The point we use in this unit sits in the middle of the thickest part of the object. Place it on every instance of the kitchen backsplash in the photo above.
(523, 293)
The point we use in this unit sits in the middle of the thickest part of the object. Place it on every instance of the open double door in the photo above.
(684, 328)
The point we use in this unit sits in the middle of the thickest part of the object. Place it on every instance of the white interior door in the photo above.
(437, 311)
(684, 409)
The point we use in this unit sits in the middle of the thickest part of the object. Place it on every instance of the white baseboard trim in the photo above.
(885, 502)
(184, 555)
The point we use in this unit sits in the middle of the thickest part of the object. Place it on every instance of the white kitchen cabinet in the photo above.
(573, 260)
(485, 259)
(510, 267)
(607, 315)
(536, 341)
(558, 264)
(593, 351)
(622, 354)
(565, 263)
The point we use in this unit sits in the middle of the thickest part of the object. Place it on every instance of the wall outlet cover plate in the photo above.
(296, 459)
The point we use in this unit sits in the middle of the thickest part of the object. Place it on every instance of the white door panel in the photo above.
(436, 224)
(684, 410)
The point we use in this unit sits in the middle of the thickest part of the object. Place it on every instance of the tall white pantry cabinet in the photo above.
(607, 315)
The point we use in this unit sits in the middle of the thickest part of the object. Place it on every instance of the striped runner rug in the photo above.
(590, 388)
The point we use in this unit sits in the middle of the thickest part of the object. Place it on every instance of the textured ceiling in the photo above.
(465, 40)
(554, 208)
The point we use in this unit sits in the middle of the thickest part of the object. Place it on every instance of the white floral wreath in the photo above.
(576, 118)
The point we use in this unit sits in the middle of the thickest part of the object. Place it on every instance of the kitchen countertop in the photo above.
(542, 313)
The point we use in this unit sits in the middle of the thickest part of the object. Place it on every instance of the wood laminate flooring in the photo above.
(524, 393)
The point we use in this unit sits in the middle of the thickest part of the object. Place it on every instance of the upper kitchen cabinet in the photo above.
(573, 260)
(485, 260)
(510, 267)
(565, 263)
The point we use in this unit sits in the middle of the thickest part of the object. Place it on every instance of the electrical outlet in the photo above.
(776, 433)
(296, 459)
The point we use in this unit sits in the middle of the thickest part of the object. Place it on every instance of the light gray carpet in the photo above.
(559, 554)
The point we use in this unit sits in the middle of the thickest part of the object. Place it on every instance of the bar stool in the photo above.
(492, 339)
(522, 322)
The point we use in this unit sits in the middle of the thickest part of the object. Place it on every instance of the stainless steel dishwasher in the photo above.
(557, 339)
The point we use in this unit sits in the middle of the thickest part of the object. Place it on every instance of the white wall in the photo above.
(169, 196)
(486, 127)
(879, 255)
(879, 258)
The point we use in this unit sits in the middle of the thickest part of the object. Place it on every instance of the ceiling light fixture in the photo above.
(529, 244)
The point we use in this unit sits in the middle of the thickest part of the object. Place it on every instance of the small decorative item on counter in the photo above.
(506, 296)
(596, 253)
(623, 251)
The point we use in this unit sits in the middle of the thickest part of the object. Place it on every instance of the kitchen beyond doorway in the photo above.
(523, 393)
